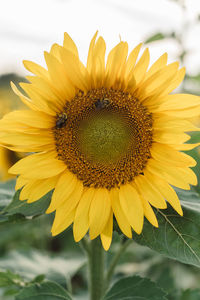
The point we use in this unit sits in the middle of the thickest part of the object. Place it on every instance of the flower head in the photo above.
(107, 138)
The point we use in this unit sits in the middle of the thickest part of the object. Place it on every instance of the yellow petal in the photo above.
(173, 84)
(106, 235)
(36, 166)
(30, 118)
(35, 189)
(130, 64)
(64, 188)
(60, 224)
(132, 206)
(41, 187)
(30, 142)
(184, 113)
(149, 213)
(141, 66)
(163, 122)
(71, 202)
(173, 137)
(168, 155)
(65, 213)
(98, 65)
(81, 220)
(39, 98)
(20, 182)
(156, 80)
(160, 63)
(55, 51)
(35, 69)
(28, 102)
(69, 44)
(76, 72)
(91, 53)
(24, 194)
(162, 89)
(59, 77)
(173, 175)
(185, 147)
(166, 190)
(45, 94)
(179, 101)
(149, 192)
(189, 174)
(121, 218)
(99, 212)
(26, 148)
(115, 63)
(12, 126)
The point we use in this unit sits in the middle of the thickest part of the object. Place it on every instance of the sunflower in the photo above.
(107, 138)
(7, 103)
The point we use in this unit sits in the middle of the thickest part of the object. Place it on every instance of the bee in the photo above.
(102, 103)
(61, 120)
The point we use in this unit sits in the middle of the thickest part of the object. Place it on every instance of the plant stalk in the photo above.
(115, 261)
(96, 263)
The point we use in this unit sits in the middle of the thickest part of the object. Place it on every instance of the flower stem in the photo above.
(96, 270)
(85, 245)
(115, 261)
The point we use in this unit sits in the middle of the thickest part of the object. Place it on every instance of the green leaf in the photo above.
(34, 263)
(8, 278)
(195, 138)
(48, 290)
(177, 237)
(7, 190)
(11, 205)
(163, 276)
(135, 288)
(190, 295)
(38, 278)
(156, 37)
(28, 209)
(195, 78)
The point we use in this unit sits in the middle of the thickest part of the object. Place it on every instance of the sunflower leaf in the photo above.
(135, 287)
(33, 265)
(156, 37)
(48, 290)
(28, 209)
(190, 295)
(176, 237)
(7, 190)
(8, 278)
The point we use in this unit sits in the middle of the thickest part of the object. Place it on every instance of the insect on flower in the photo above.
(102, 103)
(61, 120)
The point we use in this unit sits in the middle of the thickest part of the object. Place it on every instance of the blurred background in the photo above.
(27, 28)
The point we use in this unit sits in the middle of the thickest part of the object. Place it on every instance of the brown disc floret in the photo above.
(104, 136)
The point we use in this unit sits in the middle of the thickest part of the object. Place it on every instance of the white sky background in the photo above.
(28, 27)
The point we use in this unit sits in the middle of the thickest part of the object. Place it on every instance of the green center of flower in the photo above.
(104, 137)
